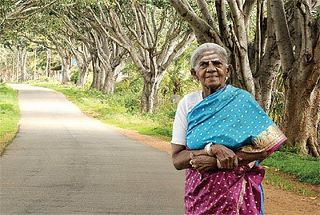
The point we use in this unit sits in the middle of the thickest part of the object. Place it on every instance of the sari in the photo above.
(230, 117)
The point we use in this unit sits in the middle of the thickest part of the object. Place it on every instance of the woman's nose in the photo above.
(211, 67)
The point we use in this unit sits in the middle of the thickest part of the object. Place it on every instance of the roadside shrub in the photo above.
(74, 77)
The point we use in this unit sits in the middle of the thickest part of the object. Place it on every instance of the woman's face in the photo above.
(211, 70)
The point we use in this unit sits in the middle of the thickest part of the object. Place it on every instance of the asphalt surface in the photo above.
(63, 162)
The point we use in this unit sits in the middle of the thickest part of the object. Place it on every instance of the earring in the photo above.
(227, 78)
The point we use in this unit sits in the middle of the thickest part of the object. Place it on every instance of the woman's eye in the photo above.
(218, 64)
(203, 65)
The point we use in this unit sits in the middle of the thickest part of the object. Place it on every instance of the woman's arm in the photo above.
(245, 158)
(181, 156)
(201, 160)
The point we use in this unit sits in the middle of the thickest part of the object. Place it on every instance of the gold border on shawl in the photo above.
(265, 140)
(240, 200)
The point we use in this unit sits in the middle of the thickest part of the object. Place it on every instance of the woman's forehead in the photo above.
(211, 56)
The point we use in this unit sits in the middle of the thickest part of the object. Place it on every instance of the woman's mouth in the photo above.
(212, 76)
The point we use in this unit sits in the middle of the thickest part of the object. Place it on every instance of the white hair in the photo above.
(207, 47)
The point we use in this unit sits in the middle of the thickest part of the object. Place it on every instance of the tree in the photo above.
(153, 36)
(11, 11)
(16, 19)
(107, 56)
(299, 47)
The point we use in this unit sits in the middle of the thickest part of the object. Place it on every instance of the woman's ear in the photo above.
(194, 74)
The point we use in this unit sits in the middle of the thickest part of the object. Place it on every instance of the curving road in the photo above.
(63, 162)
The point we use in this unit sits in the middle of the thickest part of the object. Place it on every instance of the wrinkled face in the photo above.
(211, 70)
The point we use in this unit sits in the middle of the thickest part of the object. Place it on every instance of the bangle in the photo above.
(219, 164)
(207, 149)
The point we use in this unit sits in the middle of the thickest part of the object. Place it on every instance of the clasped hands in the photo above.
(223, 157)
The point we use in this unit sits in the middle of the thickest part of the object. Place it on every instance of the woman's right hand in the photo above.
(225, 156)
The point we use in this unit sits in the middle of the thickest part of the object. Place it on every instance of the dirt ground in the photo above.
(277, 201)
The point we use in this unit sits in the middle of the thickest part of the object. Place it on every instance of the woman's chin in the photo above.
(214, 86)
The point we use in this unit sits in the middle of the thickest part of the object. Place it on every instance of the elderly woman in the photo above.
(220, 135)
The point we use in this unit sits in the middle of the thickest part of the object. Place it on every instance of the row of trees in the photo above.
(265, 38)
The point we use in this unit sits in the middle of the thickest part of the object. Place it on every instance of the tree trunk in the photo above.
(34, 72)
(65, 68)
(110, 78)
(48, 63)
(149, 95)
(302, 106)
(150, 91)
(22, 64)
(108, 85)
(266, 75)
(316, 115)
(97, 74)
(82, 75)
(302, 118)
(83, 64)
(101, 75)
(95, 69)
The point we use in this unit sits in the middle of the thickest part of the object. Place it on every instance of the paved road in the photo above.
(63, 162)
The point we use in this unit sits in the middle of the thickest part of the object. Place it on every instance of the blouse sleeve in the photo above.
(180, 124)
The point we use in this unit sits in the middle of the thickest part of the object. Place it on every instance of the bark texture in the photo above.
(300, 59)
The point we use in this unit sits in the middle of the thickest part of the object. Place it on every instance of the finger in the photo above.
(219, 164)
(203, 168)
(230, 163)
(227, 163)
(223, 164)
(199, 167)
(235, 162)
(191, 155)
(220, 157)
(197, 162)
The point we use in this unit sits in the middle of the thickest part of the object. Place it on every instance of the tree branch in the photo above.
(282, 34)
(205, 12)
(223, 23)
(247, 8)
(179, 49)
(202, 29)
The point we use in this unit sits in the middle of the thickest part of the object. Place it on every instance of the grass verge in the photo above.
(288, 182)
(294, 169)
(9, 115)
(304, 168)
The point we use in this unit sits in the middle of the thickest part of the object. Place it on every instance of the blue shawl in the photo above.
(230, 116)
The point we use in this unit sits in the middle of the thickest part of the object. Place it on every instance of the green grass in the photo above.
(9, 115)
(114, 110)
(304, 168)
(287, 182)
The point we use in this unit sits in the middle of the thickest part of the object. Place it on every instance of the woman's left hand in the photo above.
(203, 163)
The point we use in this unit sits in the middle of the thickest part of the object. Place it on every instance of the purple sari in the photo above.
(233, 118)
